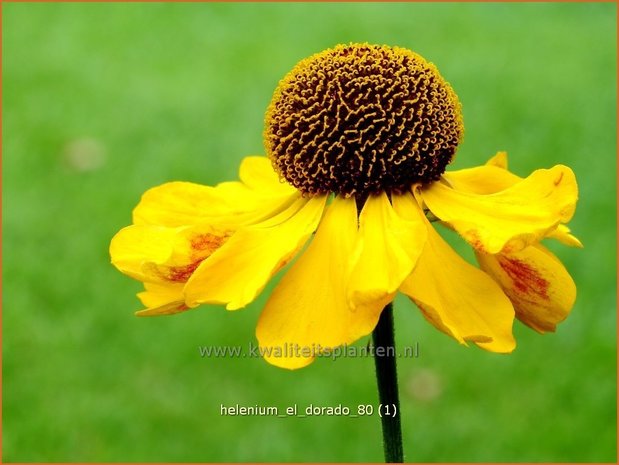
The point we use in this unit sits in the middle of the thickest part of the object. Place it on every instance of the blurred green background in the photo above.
(103, 101)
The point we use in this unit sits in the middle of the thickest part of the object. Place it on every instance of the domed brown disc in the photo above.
(360, 119)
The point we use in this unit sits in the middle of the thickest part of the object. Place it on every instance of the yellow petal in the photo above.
(183, 203)
(563, 235)
(238, 271)
(499, 160)
(132, 246)
(459, 299)
(387, 248)
(258, 174)
(162, 299)
(537, 283)
(309, 309)
(494, 177)
(486, 179)
(259, 195)
(512, 218)
(159, 254)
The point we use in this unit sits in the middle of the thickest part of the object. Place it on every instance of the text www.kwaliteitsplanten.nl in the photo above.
(295, 350)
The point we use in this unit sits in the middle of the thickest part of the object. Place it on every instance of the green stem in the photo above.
(387, 380)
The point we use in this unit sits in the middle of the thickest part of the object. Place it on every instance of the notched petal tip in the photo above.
(563, 234)
(169, 309)
(499, 160)
(512, 218)
(164, 298)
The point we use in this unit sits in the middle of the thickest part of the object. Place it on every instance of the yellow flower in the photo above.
(358, 138)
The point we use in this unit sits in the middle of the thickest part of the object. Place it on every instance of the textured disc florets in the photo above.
(360, 119)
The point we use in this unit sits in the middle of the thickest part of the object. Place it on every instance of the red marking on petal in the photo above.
(202, 246)
(181, 274)
(208, 242)
(526, 279)
(558, 180)
(475, 241)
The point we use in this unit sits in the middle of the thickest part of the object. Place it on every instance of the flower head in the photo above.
(358, 138)
(362, 119)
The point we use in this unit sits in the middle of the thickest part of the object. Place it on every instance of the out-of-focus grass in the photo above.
(177, 92)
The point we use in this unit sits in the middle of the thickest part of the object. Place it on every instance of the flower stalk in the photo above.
(387, 381)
